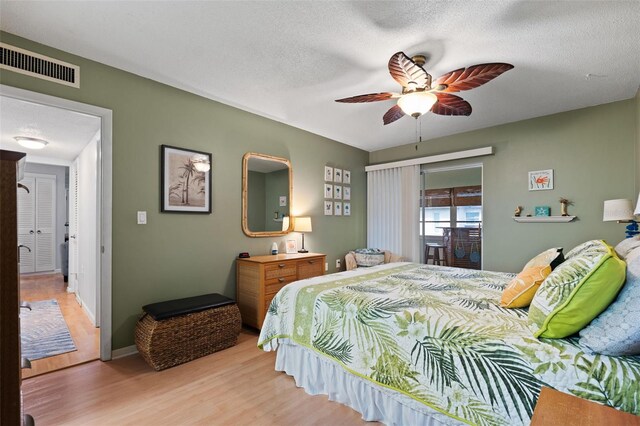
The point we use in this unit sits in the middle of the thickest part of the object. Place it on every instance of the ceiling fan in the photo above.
(420, 95)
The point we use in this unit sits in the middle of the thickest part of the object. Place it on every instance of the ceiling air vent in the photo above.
(39, 66)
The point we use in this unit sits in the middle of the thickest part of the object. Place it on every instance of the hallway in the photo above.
(85, 336)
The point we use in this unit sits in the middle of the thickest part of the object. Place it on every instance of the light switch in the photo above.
(142, 218)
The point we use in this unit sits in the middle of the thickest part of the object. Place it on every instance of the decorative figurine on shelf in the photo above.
(564, 203)
(518, 211)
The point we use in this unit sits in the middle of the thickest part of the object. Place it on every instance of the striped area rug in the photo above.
(43, 331)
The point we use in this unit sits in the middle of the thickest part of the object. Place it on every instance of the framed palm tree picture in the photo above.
(185, 180)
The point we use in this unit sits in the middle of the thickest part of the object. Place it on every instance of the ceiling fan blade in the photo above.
(470, 77)
(405, 71)
(450, 105)
(394, 113)
(371, 97)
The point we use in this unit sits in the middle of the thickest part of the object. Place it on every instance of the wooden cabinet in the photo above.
(9, 290)
(559, 408)
(259, 278)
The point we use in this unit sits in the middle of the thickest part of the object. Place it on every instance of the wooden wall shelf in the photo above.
(541, 219)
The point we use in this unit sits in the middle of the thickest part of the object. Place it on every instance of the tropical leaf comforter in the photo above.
(439, 335)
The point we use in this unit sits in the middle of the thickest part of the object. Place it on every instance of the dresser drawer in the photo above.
(280, 270)
(310, 268)
(274, 285)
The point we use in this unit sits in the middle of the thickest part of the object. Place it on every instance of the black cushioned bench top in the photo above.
(171, 308)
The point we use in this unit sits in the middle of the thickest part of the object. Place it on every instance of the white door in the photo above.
(73, 227)
(36, 223)
(45, 224)
(26, 224)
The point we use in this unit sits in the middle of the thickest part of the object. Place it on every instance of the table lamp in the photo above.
(302, 225)
(621, 211)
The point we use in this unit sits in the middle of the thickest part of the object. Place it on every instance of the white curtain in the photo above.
(393, 203)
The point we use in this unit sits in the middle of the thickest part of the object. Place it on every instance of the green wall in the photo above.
(180, 255)
(592, 152)
(453, 178)
(638, 142)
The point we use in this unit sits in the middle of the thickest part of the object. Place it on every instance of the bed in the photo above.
(407, 343)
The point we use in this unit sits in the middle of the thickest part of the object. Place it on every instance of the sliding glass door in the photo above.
(451, 215)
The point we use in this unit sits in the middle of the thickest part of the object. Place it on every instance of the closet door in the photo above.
(26, 224)
(45, 222)
(73, 227)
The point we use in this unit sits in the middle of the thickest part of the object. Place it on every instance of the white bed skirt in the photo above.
(318, 375)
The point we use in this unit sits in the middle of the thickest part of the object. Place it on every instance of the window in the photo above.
(459, 207)
(433, 219)
(468, 216)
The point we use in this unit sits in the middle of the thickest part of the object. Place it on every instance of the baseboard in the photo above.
(122, 352)
(90, 314)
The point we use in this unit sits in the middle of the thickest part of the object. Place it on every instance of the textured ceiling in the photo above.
(289, 60)
(67, 132)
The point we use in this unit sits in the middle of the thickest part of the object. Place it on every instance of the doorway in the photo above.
(53, 283)
(451, 215)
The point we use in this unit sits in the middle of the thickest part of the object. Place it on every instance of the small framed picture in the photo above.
(328, 174)
(337, 208)
(328, 208)
(346, 176)
(283, 201)
(337, 192)
(328, 190)
(346, 192)
(291, 246)
(541, 180)
(337, 175)
(542, 211)
(346, 209)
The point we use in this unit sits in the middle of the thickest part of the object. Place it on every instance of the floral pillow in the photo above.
(369, 257)
(577, 291)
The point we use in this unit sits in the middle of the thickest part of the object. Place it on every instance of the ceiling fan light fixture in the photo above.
(31, 143)
(417, 103)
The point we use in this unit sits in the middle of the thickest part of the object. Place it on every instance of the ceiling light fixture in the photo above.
(31, 143)
(417, 103)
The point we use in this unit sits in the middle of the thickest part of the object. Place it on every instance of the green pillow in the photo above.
(577, 291)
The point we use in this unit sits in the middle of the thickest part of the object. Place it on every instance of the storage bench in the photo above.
(177, 331)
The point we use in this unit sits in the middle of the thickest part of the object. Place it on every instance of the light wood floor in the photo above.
(85, 335)
(236, 386)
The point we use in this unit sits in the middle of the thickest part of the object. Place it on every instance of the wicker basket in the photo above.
(183, 338)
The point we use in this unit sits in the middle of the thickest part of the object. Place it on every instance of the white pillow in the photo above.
(625, 246)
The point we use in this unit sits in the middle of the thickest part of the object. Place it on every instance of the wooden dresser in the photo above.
(260, 277)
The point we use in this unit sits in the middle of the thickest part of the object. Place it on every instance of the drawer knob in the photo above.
(312, 261)
(281, 280)
(282, 265)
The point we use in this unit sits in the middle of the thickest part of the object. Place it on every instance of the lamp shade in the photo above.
(417, 103)
(285, 223)
(637, 211)
(302, 224)
(620, 209)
